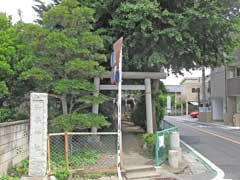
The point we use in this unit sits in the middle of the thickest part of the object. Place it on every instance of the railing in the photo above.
(90, 152)
(163, 142)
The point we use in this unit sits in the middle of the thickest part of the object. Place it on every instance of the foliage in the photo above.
(60, 57)
(161, 107)
(179, 34)
(77, 159)
(19, 169)
(8, 178)
(62, 174)
(7, 54)
(161, 103)
(76, 120)
(150, 142)
(5, 114)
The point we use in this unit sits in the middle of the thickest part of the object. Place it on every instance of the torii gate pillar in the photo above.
(148, 99)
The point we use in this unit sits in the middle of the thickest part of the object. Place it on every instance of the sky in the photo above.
(10, 7)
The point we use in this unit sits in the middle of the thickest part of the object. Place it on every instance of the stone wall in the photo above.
(14, 140)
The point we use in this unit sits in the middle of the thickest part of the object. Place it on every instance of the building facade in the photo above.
(225, 94)
(191, 93)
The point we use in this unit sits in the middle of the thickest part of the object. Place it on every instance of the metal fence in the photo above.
(163, 142)
(90, 152)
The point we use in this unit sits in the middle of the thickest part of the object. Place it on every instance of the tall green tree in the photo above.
(68, 56)
(167, 34)
(176, 34)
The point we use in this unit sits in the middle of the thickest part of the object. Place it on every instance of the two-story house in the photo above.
(225, 94)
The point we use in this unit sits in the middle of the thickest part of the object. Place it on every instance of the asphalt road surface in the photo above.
(219, 144)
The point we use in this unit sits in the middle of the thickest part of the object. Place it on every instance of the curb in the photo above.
(220, 174)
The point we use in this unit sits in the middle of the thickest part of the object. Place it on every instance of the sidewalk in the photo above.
(138, 167)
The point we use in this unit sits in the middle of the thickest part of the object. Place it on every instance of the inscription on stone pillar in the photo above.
(38, 134)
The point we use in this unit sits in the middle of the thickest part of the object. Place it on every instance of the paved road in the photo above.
(219, 144)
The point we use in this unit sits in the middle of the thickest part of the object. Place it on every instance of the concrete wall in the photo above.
(217, 109)
(13, 143)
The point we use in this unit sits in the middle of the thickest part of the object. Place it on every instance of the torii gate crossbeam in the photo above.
(147, 76)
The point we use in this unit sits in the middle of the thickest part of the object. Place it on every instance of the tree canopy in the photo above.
(172, 34)
(60, 57)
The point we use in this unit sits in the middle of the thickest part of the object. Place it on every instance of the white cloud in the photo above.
(172, 79)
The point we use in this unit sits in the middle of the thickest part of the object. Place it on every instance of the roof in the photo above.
(190, 79)
(173, 88)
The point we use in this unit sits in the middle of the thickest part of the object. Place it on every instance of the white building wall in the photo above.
(218, 109)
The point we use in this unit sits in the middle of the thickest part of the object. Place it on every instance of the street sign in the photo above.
(115, 60)
(112, 61)
(168, 104)
(161, 141)
(117, 47)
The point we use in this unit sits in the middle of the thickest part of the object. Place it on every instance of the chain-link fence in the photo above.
(90, 152)
(163, 142)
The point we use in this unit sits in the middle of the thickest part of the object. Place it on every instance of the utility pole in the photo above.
(204, 98)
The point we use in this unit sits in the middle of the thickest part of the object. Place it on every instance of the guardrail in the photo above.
(163, 142)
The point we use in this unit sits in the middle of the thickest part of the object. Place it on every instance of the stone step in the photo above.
(142, 174)
(139, 168)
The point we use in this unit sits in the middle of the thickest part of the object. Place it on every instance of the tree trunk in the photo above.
(65, 112)
(64, 104)
(155, 91)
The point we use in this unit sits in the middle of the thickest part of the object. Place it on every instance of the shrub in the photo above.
(8, 178)
(5, 114)
(150, 142)
(62, 174)
(19, 169)
(82, 157)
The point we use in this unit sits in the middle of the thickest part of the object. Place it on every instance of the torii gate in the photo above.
(147, 76)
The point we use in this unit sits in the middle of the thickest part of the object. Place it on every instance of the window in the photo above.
(238, 72)
(195, 90)
(238, 104)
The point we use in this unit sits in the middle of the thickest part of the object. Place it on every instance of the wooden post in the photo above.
(66, 148)
(49, 153)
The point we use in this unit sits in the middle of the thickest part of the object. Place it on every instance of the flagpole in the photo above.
(119, 159)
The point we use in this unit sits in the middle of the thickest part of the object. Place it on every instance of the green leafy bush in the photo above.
(150, 142)
(19, 169)
(5, 114)
(8, 178)
(62, 174)
(72, 121)
(77, 159)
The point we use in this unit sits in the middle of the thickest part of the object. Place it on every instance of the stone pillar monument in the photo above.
(148, 105)
(38, 136)
(95, 107)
